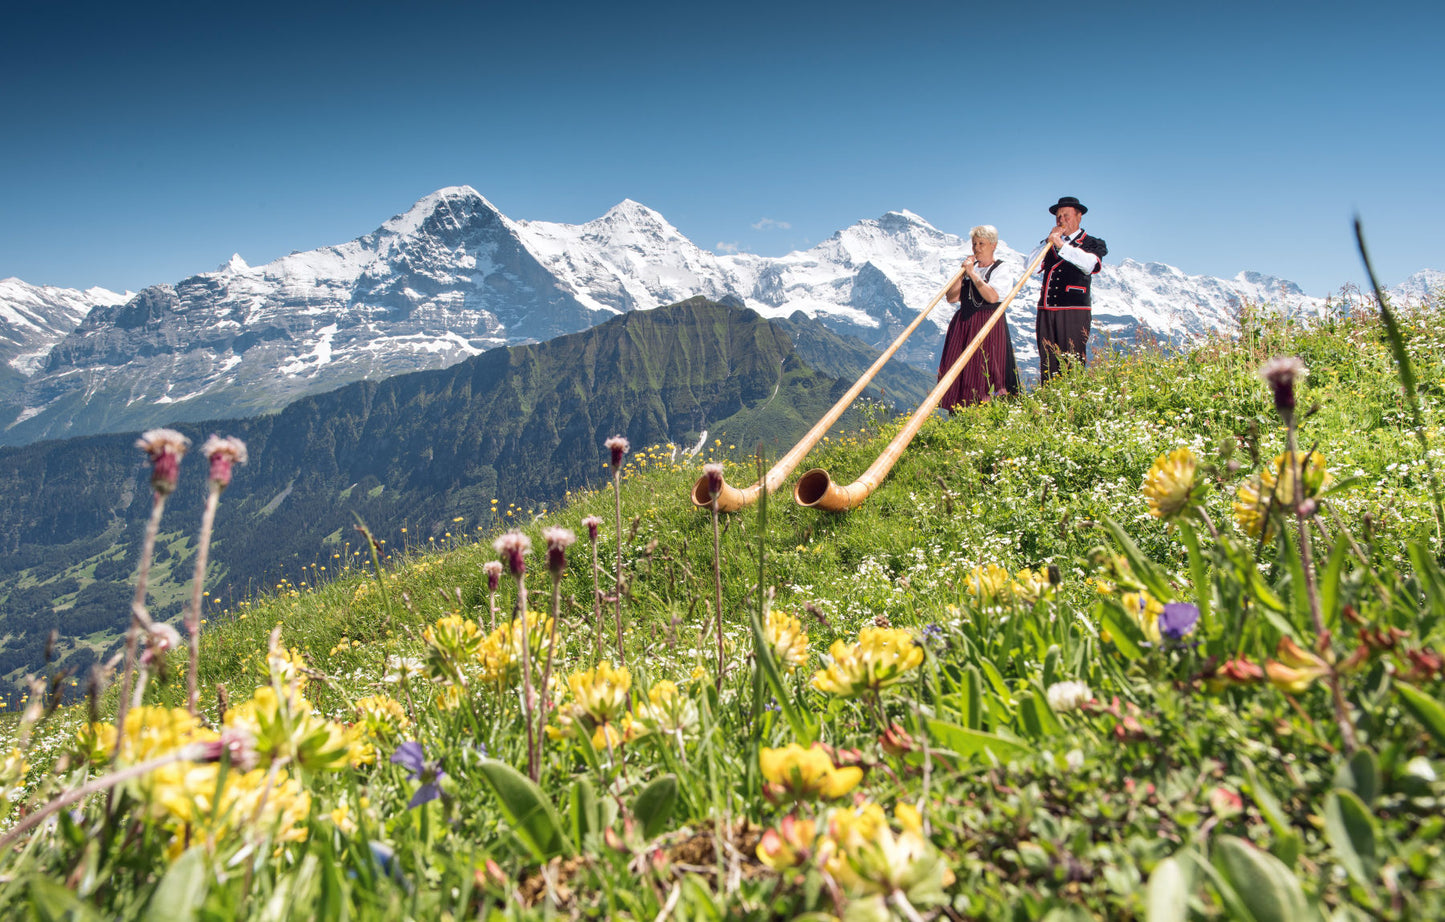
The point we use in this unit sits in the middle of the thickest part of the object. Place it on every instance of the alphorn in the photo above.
(817, 489)
(731, 499)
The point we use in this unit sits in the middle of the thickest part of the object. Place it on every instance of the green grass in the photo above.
(1149, 794)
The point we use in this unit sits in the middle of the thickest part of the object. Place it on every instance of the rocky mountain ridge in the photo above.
(452, 277)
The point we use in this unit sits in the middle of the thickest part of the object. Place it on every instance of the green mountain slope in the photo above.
(419, 457)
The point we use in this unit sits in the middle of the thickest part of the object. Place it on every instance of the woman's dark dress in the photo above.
(992, 370)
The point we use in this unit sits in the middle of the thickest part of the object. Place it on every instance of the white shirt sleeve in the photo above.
(1086, 261)
(1003, 280)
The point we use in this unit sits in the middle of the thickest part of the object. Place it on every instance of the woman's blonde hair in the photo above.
(985, 232)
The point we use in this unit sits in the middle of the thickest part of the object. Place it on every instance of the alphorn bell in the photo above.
(816, 488)
(731, 499)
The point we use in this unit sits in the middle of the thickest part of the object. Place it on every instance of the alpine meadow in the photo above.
(1162, 639)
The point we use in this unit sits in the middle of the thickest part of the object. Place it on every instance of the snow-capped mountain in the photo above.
(452, 276)
(33, 318)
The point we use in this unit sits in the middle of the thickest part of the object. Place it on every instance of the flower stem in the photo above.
(139, 616)
(198, 581)
(717, 591)
(617, 492)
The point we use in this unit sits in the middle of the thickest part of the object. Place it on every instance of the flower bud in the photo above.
(1281, 373)
(512, 548)
(223, 453)
(592, 522)
(714, 474)
(166, 448)
(619, 446)
(558, 540)
(493, 569)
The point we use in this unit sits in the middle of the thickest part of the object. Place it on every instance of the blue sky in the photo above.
(146, 142)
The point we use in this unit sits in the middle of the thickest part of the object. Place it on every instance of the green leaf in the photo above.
(1145, 569)
(1424, 709)
(1330, 583)
(52, 901)
(972, 698)
(183, 889)
(1124, 633)
(967, 742)
(1168, 896)
(1037, 717)
(1198, 571)
(583, 816)
(1428, 572)
(1267, 890)
(1350, 830)
(1051, 665)
(1287, 841)
(531, 815)
(655, 804)
(1360, 774)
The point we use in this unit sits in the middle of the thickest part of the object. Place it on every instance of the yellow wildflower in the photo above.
(451, 642)
(881, 657)
(989, 584)
(866, 856)
(798, 774)
(790, 845)
(1170, 486)
(1145, 610)
(787, 639)
(666, 711)
(1031, 586)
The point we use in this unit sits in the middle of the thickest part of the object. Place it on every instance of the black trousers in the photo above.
(1060, 333)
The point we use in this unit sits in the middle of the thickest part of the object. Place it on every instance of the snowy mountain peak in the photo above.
(233, 265)
(458, 202)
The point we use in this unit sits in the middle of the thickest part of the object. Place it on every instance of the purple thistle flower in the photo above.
(592, 522)
(619, 446)
(409, 755)
(1280, 373)
(714, 474)
(1178, 620)
(558, 540)
(223, 453)
(512, 548)
(493, 569)
(166, 448)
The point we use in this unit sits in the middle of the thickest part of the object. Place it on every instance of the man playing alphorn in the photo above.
(1065, 307)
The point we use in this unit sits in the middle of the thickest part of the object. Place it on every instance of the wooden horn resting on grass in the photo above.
(816, 488)
(731, 499)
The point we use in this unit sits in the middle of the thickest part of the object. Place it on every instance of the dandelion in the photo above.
(1068, 696)
(796, 774)
(1170, 486)
(881, 657)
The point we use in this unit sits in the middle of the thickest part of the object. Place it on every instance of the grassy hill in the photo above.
(419, 456)
(1018, 715)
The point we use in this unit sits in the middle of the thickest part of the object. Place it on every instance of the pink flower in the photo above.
(592, 522)
(493, 569)
(1280, 373)
(714, 474)
(558, 540)
(512, 548)
(166, 448)
(619, 446)
(222, 453)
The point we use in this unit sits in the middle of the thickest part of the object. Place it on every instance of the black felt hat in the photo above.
(1068, 201)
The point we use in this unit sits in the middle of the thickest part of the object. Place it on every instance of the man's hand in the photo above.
(1056, 237)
